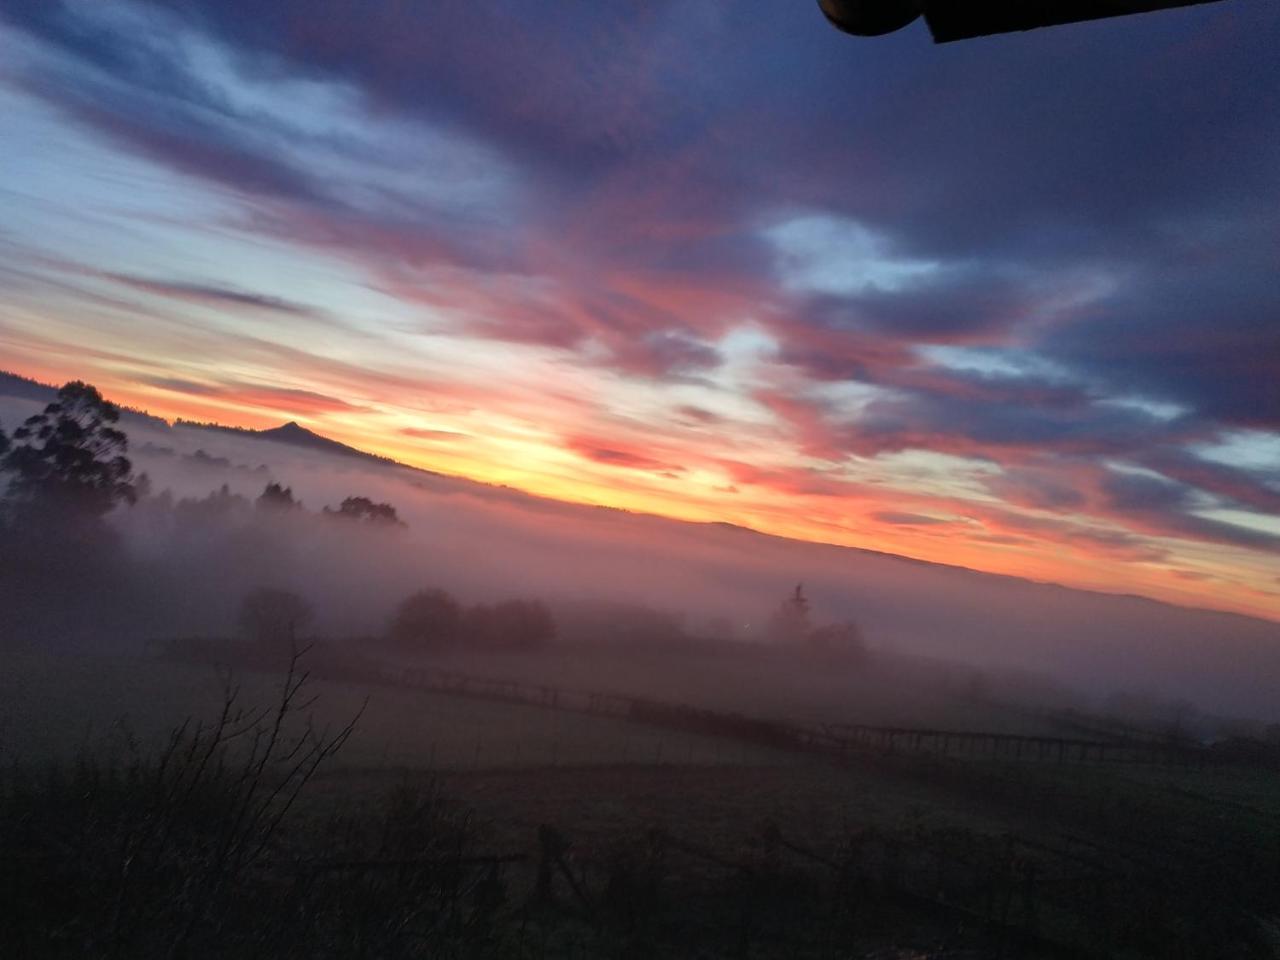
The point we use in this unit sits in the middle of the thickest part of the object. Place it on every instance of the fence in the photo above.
(835, 740)
(1010, 896)
(773, 891)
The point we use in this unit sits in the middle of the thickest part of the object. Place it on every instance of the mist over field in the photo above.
(484, 543)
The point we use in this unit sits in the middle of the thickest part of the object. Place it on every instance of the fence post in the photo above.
(550, 845)
(1029, 895)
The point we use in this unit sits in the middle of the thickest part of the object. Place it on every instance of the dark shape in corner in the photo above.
(949, 20)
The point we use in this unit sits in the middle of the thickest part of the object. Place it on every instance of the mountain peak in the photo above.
(292, 433)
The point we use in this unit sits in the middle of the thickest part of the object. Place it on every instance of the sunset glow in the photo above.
(700, 260)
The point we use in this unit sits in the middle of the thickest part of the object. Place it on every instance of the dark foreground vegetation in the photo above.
(232, 840)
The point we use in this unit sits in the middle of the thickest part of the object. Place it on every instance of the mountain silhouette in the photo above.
(24, 388)
(292, 433)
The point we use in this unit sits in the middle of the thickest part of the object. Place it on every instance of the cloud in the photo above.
(614, 456)
(1043, 487)
(425, 434)
(285, 400)
(559, 222)
(907, 519)
(214, 295)
(697, 415)
(1170, 507)
(176, 137)
(668, 353)
(1113, 543)
(838, 256)
(1203, 336)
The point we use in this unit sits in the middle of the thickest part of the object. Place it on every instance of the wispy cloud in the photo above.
(213, 295)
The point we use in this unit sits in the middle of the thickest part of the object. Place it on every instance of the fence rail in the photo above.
(835, 740)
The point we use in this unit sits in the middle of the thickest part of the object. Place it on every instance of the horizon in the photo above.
(272, 434)
(679, 263)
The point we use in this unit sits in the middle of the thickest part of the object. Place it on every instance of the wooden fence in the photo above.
(834, 740)
(1010, 896)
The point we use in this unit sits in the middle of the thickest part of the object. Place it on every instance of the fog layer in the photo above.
(483, 542)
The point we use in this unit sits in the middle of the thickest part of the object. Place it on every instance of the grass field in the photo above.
(520, 765)
(764, 682)
(1179, 840)
(55, 707)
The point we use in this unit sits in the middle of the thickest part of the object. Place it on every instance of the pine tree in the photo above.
(790, 622)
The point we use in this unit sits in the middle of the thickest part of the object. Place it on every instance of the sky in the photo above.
(1009, 304)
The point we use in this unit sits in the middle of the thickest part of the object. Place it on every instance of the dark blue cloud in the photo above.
(968, 306)
(1021, 418)
(1168, 507)
(1204, 335)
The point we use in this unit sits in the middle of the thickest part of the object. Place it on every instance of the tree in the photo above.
(790, 622)
(69, 458)
(214, 508)
(365, 510)
(478, 625)
(277, 497)
(515, 624)
(274, 617)
(428, 618)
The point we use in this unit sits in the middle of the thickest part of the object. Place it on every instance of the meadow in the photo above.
(906, 852)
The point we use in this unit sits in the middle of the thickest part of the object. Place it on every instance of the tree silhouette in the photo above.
(478, 625)
(365, 510)
(211, 509)
(515, 624)
(427, 618)
(274, 617)
(277, 497)
(69, 458)
(790, 622)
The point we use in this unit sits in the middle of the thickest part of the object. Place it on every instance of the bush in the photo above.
(512, 624)
(428, 618)
(157, 855)
(364, 510)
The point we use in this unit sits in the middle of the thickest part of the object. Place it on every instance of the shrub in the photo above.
(428, 618)
(514, 624)
(156, 855)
